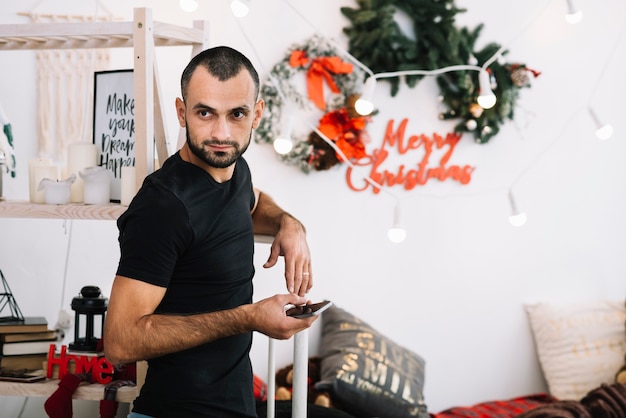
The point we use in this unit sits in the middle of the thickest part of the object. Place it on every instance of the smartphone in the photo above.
(306, 311)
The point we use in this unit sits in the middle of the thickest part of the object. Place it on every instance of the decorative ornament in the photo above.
(520, 75)
(377, 41)
(314, 78)
(476, 110)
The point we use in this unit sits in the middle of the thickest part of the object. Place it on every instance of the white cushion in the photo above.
(579, 346)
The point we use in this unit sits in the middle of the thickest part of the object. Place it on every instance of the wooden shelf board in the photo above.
(90, 392)
(20, 209)
(78, 35)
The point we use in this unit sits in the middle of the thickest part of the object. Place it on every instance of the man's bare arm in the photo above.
(134, 332)
(289, 241)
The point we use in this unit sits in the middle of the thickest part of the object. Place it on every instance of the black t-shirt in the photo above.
(192, 235)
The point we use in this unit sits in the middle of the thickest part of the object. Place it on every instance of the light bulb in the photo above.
(283, 145)
(573, 18)
(364, 105)
(486, 98)
(573, 15)
(188, 5)
(517, 218)
(240, 8)
(396, 234)
(603, 130)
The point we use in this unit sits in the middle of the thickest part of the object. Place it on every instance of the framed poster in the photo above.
(114, 124)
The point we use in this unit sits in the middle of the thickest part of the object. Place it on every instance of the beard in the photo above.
(219, 159)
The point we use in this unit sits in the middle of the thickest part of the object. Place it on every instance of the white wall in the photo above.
(454, 291)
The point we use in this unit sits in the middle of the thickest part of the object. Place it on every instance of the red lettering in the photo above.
(85, 364)
(52, 360)
(362, 162)
(380, 176)
(100, 368)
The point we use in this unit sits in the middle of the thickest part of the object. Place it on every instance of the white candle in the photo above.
(80, 155)
(38, 169)
(97, 185)
(57, 192)
(128, 187)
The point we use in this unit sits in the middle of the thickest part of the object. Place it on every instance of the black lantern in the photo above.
(90, 303)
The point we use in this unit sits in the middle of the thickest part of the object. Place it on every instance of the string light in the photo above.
(486, 99)
(573, 15)
(517, 218)
(240, 8)
(283, 143)
(396, 233)
(603, 130)
(364, 104)
(188, 6)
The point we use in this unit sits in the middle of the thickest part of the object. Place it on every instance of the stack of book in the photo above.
(25, 344)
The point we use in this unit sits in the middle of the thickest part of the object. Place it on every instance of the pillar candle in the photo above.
(97, 185)
(128, 186)
(80, 155)
(38, 169)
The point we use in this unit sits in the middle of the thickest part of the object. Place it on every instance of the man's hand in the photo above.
(270, 318)
(290, 242)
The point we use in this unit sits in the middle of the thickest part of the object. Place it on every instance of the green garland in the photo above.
(377, 41)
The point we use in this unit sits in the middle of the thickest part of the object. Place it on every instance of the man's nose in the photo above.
(221, 130)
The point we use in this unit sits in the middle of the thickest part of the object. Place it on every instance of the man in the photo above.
(182, 295)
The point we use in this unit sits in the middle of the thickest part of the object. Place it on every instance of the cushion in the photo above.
(368, 374)
(580, 346)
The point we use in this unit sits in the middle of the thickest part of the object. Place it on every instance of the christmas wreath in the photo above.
(339, 132)
(376, 39)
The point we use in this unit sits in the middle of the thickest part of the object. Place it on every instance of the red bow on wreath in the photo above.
(347, 133)
(320, 70)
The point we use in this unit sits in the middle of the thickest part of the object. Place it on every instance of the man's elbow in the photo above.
(111, 354)
(114, 352)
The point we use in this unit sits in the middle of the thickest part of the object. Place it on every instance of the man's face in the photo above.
(219, 117)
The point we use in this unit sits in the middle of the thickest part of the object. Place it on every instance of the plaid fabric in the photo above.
(497, 409)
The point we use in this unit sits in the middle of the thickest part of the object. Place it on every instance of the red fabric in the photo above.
(59, 404)
(108, 409)
(497, 409)
(260, 389)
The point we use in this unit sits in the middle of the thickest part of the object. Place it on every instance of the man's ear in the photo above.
(180, 112)
(258, 113)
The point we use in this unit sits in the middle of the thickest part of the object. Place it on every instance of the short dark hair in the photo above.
(222, 62)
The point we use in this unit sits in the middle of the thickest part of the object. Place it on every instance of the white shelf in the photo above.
(143, 35)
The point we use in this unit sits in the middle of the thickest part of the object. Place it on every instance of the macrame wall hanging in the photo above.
(65, 89)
